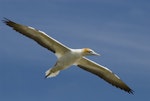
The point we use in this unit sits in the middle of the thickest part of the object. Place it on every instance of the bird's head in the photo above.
(88, 51)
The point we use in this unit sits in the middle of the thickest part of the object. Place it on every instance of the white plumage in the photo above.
(68, 57)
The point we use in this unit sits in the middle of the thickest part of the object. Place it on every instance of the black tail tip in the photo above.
(46, 76)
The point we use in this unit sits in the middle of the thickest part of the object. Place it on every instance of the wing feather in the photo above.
(103, 73)
(40, 37)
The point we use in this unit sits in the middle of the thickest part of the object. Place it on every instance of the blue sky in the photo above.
(117, 29)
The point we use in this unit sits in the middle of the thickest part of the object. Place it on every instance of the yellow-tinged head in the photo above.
(88, 51)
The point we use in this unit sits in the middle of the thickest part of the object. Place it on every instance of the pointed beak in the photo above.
(96, 54)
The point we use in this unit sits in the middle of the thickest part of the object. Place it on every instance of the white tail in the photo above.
(49, 74)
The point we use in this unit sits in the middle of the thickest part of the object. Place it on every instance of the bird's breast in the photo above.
(69, 59)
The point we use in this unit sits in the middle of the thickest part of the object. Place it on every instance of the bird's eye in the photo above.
(90, 51)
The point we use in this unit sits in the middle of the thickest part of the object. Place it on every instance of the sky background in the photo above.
(117, 29)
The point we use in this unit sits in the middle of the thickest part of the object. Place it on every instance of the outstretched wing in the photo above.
(40, 37)
(103, 73)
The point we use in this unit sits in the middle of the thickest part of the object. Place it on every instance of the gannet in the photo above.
(68, 57)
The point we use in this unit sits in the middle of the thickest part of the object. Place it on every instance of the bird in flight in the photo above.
(68, 56)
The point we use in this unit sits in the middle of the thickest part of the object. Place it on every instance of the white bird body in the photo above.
(65, 61)
(68, 57)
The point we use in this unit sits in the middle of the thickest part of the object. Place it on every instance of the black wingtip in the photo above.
(131, 92)
(8, 22)
(5, 20)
